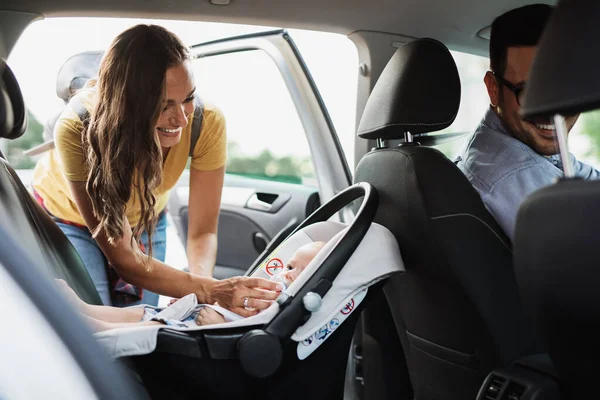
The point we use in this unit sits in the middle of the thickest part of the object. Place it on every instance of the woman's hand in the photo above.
(232, 293)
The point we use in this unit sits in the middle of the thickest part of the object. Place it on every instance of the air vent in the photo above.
(514, 391)
(492, 391)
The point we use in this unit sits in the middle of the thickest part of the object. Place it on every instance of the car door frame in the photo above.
(330, 165)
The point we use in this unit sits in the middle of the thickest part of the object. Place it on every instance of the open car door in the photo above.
(284, 157)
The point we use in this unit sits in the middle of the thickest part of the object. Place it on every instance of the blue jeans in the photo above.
(96, 262)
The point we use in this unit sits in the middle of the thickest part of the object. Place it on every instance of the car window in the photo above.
(265, 137)
(335, 77)
(584, 139)
(473, 100)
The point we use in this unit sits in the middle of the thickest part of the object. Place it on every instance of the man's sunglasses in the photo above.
(518, 91)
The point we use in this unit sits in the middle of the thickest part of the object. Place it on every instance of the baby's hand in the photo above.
(208, 316)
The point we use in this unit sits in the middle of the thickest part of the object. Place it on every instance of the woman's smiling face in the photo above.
(178, 104)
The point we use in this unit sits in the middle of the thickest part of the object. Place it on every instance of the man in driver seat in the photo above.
(508, 158)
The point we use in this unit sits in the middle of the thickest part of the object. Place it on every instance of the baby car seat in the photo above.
(298, 348)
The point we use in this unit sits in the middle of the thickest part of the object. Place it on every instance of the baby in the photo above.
(103, 318)
(300, 259)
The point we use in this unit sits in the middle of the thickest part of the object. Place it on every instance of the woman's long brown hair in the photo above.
(124, 155)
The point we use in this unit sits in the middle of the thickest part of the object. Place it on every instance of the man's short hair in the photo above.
(519, 27)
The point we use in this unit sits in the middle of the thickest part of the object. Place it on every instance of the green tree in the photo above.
(590, 124)
(32, 137)
(267, 166)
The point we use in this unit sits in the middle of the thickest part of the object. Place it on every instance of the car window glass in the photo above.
(331, 58)
(265, 136)
(584, 139)
(473, 100)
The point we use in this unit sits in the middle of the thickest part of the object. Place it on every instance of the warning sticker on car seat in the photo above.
(310, 344)
(348, 307)
(274, 265)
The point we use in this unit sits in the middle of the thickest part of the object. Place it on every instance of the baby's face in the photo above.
(301, 258)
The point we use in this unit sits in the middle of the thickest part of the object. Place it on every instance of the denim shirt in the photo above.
(505, 170)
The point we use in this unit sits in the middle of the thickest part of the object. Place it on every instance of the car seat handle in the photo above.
(258, 349)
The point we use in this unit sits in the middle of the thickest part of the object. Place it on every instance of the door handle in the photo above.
(267, 202)
(257, 204)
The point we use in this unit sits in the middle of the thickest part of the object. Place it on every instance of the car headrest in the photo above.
(564, 75)
(418, 91)
(13, 114)
(76, 71)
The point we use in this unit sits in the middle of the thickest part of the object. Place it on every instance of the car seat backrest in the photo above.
(13, 114)
(75, 73)
(457, 307)
(27, 221)
(556, 233)
(72, 76)
(556, 264)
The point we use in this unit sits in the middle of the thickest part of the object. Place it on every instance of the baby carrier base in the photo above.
(169, 375)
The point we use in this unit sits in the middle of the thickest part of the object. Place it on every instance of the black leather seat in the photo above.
(57, 254)
(457, 309)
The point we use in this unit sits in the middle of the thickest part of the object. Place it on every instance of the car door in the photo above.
(284, 157)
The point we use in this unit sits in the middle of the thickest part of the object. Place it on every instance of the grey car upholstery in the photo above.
(31, 246)
(57, 253)
(76, 71)
(457, 309)
(71, 77)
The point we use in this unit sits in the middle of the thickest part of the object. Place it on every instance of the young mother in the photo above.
(107, 181)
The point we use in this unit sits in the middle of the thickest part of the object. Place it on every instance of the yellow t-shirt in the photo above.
(67, 162)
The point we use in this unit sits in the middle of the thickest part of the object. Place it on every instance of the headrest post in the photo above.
(408, 137)
(561, 135)
(381, 144)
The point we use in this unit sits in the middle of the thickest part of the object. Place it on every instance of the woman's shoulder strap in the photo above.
(196, 123)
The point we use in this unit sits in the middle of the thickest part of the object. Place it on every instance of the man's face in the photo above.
(538, 134)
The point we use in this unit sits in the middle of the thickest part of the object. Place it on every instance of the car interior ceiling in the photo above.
(445, 336)
(403, 18)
